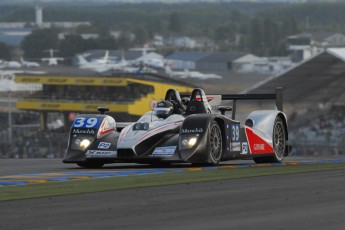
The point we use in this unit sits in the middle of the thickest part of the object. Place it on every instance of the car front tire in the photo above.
(215, 144)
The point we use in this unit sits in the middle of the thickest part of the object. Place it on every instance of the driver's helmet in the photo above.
(164, 109)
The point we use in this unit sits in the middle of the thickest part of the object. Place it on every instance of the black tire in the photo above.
(214, 144)
(90, 165)
(279, 140)
(279, 144)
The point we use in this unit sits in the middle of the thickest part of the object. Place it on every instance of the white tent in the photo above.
(7, 83)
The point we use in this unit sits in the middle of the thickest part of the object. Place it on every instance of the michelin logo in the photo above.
(83, 131)
(196, 130)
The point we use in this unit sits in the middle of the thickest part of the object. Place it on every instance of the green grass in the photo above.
(160, 179)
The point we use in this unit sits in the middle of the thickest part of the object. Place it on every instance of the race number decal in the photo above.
(86, 122)
(235, 133)
(235, 144)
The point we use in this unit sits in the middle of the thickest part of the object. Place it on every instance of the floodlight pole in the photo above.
(10, 120)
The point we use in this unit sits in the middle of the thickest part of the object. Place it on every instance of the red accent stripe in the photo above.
(257, 145)
(103, 131)
(209, 98)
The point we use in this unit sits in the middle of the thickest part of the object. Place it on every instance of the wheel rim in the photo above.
(215, 143)
(279, 140)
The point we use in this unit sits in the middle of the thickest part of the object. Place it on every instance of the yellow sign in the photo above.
(56, 80)
(69, 106)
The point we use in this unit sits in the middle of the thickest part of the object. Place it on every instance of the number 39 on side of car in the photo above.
(182, 130)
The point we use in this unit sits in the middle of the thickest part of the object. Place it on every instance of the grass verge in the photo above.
(160, 179)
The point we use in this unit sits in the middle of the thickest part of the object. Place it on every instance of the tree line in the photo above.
(260, 29)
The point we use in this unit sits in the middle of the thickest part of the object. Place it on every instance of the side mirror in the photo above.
(102, 110)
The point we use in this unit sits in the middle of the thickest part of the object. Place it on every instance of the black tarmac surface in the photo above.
(296, 201)
(10, 167)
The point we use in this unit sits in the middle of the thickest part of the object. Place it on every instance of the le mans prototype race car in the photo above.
(182, 130)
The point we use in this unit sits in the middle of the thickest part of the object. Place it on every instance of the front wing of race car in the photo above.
(92, 137)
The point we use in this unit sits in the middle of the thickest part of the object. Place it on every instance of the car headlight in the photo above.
(81, 142)
(189, 141)
(84, 144)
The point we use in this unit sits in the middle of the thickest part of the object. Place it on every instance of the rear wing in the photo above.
(278, 96)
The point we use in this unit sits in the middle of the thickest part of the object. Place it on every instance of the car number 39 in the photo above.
(82, 122)
(235, 135)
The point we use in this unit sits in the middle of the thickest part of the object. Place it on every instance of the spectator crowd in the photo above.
(322, 135)
(28, 141)
(128, 93)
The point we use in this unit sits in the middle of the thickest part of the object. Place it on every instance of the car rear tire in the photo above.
(215, 144)
(90, 165)
(279, 144)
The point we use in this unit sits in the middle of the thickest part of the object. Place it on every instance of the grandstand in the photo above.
(127, 95)
(314, 100)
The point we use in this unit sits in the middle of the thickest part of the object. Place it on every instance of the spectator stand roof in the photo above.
(69, 71)
(319, 80)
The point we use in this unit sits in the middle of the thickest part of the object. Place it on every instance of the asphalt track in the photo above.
(35, 171)
(31, 166)
(294, 201)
